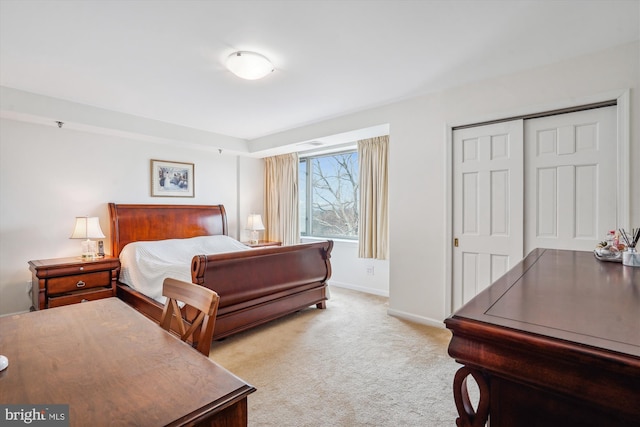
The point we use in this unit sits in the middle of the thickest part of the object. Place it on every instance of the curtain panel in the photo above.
(281, 199)
(373, 230)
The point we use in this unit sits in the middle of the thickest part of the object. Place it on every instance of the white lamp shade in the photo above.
(87, 228)
(249, 65)
(254, 222)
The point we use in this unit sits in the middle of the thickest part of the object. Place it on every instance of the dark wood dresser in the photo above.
(63, 281)
(554, 342)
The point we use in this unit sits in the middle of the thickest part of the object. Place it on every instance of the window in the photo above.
(329, 195)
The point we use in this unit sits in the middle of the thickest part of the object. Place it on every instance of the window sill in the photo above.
(319, 239)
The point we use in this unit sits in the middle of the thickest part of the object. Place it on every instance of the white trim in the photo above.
(416, 319)
(15, 313)
(326, 150)
(542, 108)
(624, 160)
(622, 96)
(448, 220)
(336, 240)
(359, 288)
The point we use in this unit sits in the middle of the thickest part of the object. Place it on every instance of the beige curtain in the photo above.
(373, 229)
(281, 199)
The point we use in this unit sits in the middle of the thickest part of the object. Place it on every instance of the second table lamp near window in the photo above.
(87, 228)
(254, 224)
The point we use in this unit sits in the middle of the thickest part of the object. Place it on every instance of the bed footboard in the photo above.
(263, 284)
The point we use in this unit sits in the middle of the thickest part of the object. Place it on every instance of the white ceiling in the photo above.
(162, 59)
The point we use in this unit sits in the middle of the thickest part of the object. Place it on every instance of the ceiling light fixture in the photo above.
(249, 65)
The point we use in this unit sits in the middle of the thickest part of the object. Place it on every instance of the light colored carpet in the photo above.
(348, 365)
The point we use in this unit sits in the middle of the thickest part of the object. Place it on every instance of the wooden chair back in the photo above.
(202, 299)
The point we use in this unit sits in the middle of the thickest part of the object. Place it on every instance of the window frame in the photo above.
(307, 225)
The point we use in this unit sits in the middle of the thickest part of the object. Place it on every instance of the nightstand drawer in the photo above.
(79, 297)
(58, 285)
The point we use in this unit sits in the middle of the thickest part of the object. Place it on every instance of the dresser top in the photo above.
(565, 295)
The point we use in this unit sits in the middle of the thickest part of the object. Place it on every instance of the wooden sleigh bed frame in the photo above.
(255, 286)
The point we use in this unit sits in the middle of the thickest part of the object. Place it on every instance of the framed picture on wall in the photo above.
(172, 179)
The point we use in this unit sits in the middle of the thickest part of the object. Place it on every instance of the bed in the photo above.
(255, 285)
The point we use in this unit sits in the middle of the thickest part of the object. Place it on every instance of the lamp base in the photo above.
(88, 249)
(255, 236)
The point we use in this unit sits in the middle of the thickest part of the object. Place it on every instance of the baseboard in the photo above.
(417, 319)
(359, 288)
(15, 314)
(395, 313)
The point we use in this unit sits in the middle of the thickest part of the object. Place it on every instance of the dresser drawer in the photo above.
(76, 282)
(79, 297)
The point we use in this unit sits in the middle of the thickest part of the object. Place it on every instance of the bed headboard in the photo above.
(132, 223)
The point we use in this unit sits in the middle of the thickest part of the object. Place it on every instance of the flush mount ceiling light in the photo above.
(249, 65)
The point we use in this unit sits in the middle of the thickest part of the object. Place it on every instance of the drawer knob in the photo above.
(80, 284)
(84, 300)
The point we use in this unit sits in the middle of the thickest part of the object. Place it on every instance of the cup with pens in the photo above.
(630, 257)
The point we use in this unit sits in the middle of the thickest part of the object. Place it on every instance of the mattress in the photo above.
(145, 265)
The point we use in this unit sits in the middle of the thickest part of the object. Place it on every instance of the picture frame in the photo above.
(172, 179)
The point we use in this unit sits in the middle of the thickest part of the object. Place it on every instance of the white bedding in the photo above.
(145, 265)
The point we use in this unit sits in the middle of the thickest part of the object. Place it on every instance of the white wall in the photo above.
(349, 271)
(418, 276)
(250, 192)
(48, 176)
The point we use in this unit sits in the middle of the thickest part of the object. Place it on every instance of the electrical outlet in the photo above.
(370, 270)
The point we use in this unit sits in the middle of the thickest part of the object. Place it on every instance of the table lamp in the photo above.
(254, 224)
(87, 228)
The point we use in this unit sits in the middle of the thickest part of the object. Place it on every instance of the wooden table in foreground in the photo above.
(112, 365)
(554, 342)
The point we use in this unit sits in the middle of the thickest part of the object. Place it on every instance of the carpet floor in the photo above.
(349, 365)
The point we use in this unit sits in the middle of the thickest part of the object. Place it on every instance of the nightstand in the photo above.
(262, 244)
(63, 281)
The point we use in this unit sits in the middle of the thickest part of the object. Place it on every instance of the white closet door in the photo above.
(570, 179)
(488, 205)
